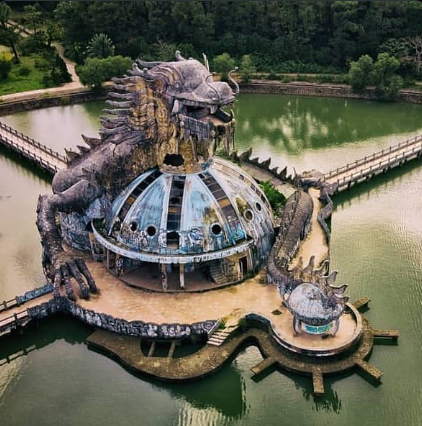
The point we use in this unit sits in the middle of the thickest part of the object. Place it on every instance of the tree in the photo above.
(100, 46)
(247, 68)
(360, 73)
(223, 64)
(32, 17)
(96, 70)
(8, 36)
(385, 77)
(416, 43)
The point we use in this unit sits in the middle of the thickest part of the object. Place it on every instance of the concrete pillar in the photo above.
(163, 276)
(182, 275)
(296, 325)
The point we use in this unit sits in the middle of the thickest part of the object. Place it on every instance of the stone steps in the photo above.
(220, 336)
(217, 276)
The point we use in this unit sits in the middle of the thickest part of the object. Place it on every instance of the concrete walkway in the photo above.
(315, 243)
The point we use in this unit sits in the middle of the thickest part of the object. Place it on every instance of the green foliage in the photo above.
(32, 17)
(360, 73)
(382, 74)
(35, 43)
(385, 77)
(223, 64)
(100, 46)
(57, 72)
(247, 68)
(8, 35)
(24, 71)
(15, 82)
(96, 71)
(276, 198)
(5, 66)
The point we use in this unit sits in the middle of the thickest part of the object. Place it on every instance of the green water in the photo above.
(376, 245)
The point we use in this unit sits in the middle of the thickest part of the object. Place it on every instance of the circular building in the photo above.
(314, 312)
(187, 231)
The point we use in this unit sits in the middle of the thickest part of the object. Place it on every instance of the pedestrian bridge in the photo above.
(372, 165)
(340, 178)
(44, 157)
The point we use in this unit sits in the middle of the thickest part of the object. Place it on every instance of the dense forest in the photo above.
(361, 43)
(280, 35)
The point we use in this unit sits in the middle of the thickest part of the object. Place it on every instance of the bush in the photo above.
(24, 71)
(5, 67)
(382, 74)
(276, 198)
(33, 44)
(223, 64)
(385, 77)
(57, 73)
(96, 71)
(360, 73)
(247, 68)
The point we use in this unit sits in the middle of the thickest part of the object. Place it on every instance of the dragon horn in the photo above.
(179, 57)
(206, 63)
(145, 64)
(229, 75)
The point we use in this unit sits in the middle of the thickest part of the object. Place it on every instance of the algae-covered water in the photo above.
(376, 245)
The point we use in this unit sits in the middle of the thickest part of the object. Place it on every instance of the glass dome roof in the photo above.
(166, 214)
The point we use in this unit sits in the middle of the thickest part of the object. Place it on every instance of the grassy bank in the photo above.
(17, 81)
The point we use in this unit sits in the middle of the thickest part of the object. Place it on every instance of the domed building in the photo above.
(171, 230)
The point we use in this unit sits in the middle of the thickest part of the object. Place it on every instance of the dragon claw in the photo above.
(67, 267)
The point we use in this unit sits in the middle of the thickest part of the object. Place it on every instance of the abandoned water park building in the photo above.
(187, 229)
(161, 214)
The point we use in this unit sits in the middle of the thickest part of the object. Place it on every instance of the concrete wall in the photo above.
(121, 326)
(7, 108)
(322, 90)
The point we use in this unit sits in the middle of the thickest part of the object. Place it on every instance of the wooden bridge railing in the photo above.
(13, 321)
(33, 142)
(373, 157)
(17, 355)
(31, 155)
(382, 165)
(8, 304)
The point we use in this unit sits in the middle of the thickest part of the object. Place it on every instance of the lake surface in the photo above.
(376, 245)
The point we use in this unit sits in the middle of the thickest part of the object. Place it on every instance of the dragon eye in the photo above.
(177, 85)
(213, 95)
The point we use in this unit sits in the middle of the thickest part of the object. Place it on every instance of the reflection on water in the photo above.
(306, 132)
(376, 245)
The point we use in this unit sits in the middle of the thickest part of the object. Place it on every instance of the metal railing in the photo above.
(32, 142)
(350, 166)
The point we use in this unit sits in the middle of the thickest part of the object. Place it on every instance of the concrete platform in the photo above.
(250, 297)
(349, 332)
(209, 359)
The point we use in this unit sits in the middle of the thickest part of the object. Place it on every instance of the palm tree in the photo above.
(8, 36)
(100, 46)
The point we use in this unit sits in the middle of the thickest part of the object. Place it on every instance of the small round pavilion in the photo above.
(171, 230)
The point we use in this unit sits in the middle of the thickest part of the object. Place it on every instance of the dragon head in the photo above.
(174, 104)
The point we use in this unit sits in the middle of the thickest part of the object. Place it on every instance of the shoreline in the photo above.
(29, 101)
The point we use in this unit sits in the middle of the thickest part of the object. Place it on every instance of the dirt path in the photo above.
(75, 86)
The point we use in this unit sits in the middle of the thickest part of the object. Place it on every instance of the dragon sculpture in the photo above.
(164, 113)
